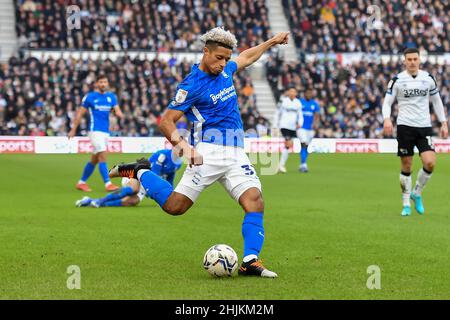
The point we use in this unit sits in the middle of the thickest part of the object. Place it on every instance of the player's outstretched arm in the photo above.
(169, 129)
(388, 128)
(76, 122)
(249, 56)
(440, 113)
(119, 112)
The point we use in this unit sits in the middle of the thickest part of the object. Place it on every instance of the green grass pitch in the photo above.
(323, 230)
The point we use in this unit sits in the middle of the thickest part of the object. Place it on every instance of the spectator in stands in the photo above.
(45, 93)
(153, 25)
(350, 96)
(354, 26)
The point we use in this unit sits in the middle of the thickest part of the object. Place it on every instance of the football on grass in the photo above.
(220, 260)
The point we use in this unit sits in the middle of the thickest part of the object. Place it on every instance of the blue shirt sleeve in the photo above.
(114, 100)
(185, 97)
(232, 66)
(86, 102)
(316, 107)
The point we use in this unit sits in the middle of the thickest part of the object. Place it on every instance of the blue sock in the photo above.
(103, 168)
(156, 187)
(123, 192)
(112, 203)
(253, 233)
(88, 169)
(304, 154)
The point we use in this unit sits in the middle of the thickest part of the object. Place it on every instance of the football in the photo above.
(220, 260)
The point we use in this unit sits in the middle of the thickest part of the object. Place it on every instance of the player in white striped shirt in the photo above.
(414, 90)
(288, 118)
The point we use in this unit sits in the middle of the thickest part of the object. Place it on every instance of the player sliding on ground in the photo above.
(163, 162)
(208, 98)
(414, 89)
(99, 103)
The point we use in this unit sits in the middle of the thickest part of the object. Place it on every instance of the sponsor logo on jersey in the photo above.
(103, 108)
(223, 94)
(409, 93)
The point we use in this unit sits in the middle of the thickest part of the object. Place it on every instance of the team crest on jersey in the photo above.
(224, 75)
(181, 95)
(109, 99)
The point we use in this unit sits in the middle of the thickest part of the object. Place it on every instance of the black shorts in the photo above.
(409, 137)
(288, 134)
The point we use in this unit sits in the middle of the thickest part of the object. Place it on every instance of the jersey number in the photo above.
(248, 169)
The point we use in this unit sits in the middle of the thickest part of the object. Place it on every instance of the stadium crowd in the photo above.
(162, 25)
(350, 96)
(369, 26)
(40, 97)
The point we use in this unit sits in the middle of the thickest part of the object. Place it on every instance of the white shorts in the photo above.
(305, 135)
(228, 165)
(141, 193)
(99, 140)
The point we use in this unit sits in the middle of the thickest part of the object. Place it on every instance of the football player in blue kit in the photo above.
(208, 98)
(310, 110)
(99, 104)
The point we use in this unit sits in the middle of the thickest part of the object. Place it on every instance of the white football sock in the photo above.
(141, 172)
(422, 178)
(405, 183)
(250, 257)
(284, 156)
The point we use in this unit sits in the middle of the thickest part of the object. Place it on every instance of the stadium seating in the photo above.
(125, 25)
(40, 97)
(350, 96)
(351, 26)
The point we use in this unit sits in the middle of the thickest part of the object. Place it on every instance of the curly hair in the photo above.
(220, 36)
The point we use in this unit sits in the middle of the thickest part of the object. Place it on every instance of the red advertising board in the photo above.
(356, 147)
(17, 145)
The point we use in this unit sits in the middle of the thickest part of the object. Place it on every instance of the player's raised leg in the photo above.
(156, 187)
(428, 161)
(406, 184)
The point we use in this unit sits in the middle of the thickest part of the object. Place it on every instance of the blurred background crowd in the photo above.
(39, 96)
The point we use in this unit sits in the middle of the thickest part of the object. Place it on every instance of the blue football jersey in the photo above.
(99, 106)
(210, 102)
(309, 108)
(162, 162)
